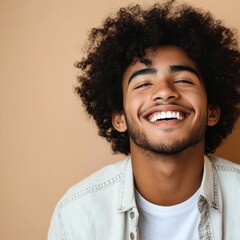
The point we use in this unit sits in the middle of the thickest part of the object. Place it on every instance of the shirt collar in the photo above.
(210, 189)
(126, 194)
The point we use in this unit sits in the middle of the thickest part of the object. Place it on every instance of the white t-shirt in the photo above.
(178, 222)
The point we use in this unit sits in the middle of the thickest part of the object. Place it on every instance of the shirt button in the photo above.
(132, 236)
(132, 215)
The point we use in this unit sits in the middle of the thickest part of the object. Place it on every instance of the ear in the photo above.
(213, 115)
(119, 122)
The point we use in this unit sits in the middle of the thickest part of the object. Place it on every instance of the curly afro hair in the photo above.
(113, 46)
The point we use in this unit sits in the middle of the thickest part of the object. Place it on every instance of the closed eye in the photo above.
(142, 85)
(184, 81)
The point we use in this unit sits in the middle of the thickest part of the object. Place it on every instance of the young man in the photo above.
(163, 87)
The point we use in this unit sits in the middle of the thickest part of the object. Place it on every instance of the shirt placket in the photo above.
(204, 228)
(133, 224)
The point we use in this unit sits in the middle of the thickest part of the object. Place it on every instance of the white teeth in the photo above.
(167, 115)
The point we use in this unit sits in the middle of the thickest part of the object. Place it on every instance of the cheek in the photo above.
(196, 97)
(199, 103)
(133, 104)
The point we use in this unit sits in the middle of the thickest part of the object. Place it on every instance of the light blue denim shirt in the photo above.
(102, 207)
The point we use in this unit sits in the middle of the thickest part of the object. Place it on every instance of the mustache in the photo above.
(188, 108)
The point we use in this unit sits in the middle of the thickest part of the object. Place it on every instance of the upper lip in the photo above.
(165, 108)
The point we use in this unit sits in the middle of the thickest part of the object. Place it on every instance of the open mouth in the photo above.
(166, 115)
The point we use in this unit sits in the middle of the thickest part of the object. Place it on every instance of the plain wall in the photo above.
(47, 143)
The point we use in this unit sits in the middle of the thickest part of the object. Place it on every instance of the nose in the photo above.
(164, 91)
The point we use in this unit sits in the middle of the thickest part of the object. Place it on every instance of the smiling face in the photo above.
(165, 104)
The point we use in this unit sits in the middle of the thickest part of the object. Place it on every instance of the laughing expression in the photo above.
(165, 104)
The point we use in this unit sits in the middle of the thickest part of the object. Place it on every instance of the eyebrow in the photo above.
(144, 71)
(181, 68)
(172, 69)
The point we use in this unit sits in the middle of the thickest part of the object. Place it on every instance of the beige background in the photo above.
(46, 141)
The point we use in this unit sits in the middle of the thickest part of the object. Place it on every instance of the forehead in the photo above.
(161, 58)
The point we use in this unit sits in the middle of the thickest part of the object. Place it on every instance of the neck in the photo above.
(168, 179)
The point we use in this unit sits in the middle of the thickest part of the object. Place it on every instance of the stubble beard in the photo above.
(166, 146)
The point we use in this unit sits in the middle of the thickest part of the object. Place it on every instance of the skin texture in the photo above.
(167, 155)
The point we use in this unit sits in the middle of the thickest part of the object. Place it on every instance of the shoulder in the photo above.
(228, 185)
(99, 183)
(228, 174)
(88, 205)
(225, 166)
